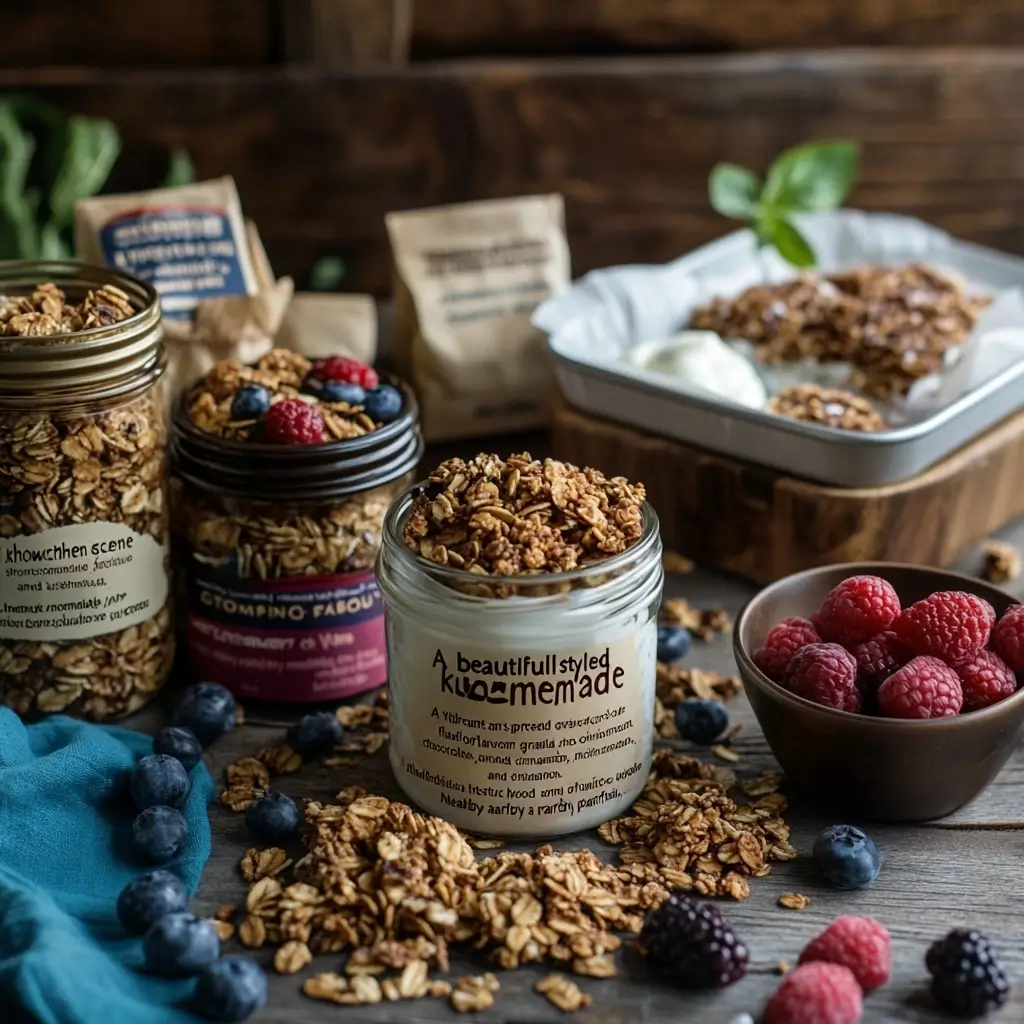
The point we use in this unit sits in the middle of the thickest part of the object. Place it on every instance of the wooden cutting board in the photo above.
(762, 524)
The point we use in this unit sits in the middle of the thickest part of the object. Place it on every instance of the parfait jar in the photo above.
(521, 706)
(85, 609)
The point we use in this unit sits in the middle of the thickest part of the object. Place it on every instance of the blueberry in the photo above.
(701, 721)
(250, 402)
(208, 709)
(180, 943)
(343, 391)
(148, 897)
(384, 403)
(846, 857)
(315, 732)
(159, 779)
(158, 834)
(273, 817)
(231, 989)
(673, 643)
(181, 743)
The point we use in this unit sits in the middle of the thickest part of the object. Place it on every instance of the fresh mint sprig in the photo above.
(809, 178)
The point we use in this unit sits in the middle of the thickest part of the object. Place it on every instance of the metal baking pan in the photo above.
(590, 326)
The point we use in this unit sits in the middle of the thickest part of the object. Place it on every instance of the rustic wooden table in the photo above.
(964, 870)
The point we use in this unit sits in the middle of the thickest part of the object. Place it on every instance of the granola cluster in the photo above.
(831, 407)
(47, 311)
(397, 889)
(894, 324)
(98, 465)
(260, 540)
(281, 375)
(496, 517)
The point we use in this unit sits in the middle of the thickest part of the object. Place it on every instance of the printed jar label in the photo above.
(81, 581)
(510, 742)
(306, 639)
(187, 253)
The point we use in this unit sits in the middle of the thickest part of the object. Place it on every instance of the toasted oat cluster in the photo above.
(396, 889)
(47, 311)
(895, 324)
(58, 471)
(234, 400)
(522, 516)
(831, 407)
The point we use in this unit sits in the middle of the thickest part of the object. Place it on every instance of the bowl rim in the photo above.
(749, 671)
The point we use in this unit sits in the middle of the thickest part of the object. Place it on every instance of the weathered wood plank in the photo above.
(342, 34)
(451, 28)
(125, 33)
(320, 157)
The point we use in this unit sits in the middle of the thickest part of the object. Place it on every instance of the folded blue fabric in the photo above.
(65, 855)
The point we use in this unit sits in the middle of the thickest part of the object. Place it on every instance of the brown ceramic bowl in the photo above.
(881, 769)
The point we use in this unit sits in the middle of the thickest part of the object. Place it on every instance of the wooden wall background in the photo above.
(329, 113)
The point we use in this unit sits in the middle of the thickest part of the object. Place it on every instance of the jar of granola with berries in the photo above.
(282, 473)
(85, 624)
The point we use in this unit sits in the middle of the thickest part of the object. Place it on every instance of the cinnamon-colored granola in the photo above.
(47, 311)
(831, 407)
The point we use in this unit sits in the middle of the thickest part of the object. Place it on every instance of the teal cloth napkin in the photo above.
(65, 834)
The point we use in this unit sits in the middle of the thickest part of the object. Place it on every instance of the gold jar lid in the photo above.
(93, 362)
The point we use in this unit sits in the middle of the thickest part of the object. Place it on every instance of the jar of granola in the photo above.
(283, 471)
(85, 623)
(522, 600)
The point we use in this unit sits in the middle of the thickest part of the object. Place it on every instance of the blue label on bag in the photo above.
(187, 253)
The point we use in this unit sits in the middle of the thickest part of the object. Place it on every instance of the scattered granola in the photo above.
(97, 463)
(794, 901)
(831, 407)
(703, 622)
(675, 684)
(499, 517)
(232, 399)
(257, 864)
(474, 993)
(292, 957)
(224, 929)
(672, 561)
(1002, 562)
(724, 753)
(894, 324)
(562, 992)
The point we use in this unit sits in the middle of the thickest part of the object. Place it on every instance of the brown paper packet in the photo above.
(467, 279)
(318, 325)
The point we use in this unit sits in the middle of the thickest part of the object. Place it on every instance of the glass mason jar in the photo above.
(85, 604)
(521, 706)
(275, 548)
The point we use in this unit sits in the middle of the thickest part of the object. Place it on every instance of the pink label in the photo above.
(306, 639)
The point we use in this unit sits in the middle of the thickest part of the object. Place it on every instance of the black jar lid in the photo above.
(310, 472)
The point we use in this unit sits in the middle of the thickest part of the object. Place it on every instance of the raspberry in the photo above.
(856, 610)
(966, 977)
(784, 639)
(825, 674)
(985, 679)
(816, 993)
(1008, 637)
(859, 943)
(294, 422)
(692, 945)
(878, 658)
(949, 625)
(923, 688)
(352, 371)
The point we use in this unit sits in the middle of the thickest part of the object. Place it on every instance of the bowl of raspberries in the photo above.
(893, 690)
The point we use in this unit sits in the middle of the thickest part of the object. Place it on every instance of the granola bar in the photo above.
(831, 407)
(101, 464)
(520, 516)
(894, 324)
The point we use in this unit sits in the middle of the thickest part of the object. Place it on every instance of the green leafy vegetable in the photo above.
(809, 178)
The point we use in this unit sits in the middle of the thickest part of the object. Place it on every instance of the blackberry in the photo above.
(966, 977)
(692, 945)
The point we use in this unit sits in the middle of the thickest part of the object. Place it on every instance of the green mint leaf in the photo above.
(180, 169)
(812, 177)
(792, 245)
(734, 191)
(92, 147)
(19, 235)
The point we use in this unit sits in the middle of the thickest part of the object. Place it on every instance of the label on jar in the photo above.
(80, 581)
(507, 741)
(310, 638)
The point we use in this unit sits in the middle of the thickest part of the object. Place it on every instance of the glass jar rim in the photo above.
(268, 472)
(398, 511)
